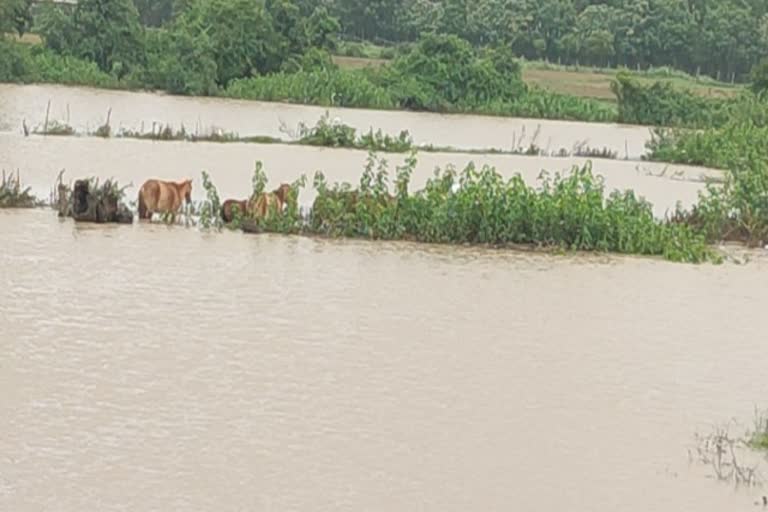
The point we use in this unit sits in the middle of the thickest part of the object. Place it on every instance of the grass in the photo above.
(358, 62)
(26, 38)
(14, 195)
(581, 81)
(333, 134)
(760, 441)
(591, 82)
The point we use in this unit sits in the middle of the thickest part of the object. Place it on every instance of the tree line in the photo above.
(721, 38)
(280, 50)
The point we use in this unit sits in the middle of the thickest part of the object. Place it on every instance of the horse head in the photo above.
(186, 190)
(282, 192)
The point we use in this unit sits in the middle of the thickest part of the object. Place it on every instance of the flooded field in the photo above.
(157, 368)
(86, 109)
(231, 166)
(228, 372)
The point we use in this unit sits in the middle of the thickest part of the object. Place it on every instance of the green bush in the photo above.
(660, 104)
(15, 62)
(179, 62)
(330, 87)
(479, 206)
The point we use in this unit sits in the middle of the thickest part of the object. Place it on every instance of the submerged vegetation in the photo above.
(332, 133)
(89, 200)
(14, 195)
(479, 206)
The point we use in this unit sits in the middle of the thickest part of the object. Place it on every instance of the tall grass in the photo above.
(329, 87)
(712, 147)
(14, 195)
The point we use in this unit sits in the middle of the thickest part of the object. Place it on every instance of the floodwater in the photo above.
(40, 159)
(157, 368)
(86, 109)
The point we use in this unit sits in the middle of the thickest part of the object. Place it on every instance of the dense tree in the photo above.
(154, 13)
(759, 77)
(15, 16)
(180, 62)
(718, 37)
(106, 32)
(722, 38)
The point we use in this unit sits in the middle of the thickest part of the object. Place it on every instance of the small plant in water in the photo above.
(14, 195)
(56, 128)
(211, 206)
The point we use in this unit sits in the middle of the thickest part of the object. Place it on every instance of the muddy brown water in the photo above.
(155, 368)
(86, 109)
(39, 160)
(149, 367)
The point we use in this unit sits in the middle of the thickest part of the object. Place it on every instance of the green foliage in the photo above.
(322, 29)
(736, 210)
(288, 221)
(479, 206)
(711, 147)
(724, 38)
(15, 16)
(444, 71)
(543, 104)
(327, 87)
(154, 13)
(57, 28)
(241, 35)
(314, 59)
(439, 74)
(14, 195)
(211, 206)
(50, 67)
(180, 62)
(248, 38)
(759, 76)
(332, 133)
(15, 62)
(662, 105)
(106, 32)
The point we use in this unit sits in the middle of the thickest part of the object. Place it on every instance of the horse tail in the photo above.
(142, 205)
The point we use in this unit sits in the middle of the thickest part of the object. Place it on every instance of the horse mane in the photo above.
(282, 192)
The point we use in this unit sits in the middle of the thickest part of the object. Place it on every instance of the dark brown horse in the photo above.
(228, 209)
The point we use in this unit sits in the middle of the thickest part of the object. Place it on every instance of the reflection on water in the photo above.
(158, 368)
(86, 109)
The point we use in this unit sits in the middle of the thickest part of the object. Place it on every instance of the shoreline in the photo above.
(291, 104)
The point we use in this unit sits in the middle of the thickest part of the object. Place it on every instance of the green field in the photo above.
(577, 81)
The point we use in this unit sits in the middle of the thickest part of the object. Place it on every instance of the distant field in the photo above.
(585, 82)
(28, 38)
(357, 62)
(597, 84)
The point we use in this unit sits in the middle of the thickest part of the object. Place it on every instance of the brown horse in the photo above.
(261, 205)
(228, 209)
(157, 196)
